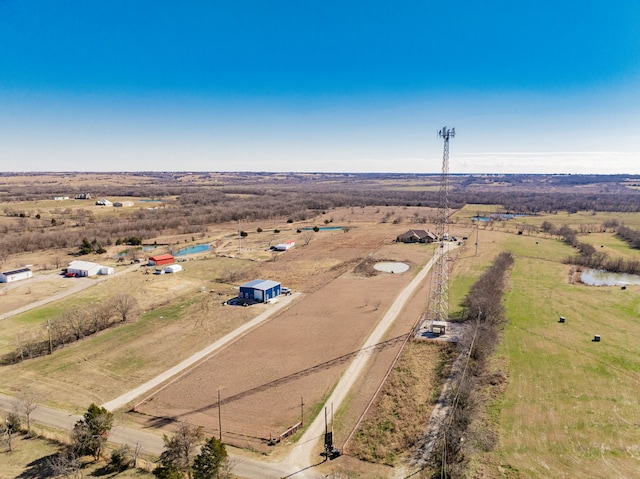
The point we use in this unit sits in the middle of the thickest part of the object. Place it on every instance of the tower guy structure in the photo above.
(439, 301)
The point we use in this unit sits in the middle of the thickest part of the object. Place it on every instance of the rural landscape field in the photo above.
(537, 396)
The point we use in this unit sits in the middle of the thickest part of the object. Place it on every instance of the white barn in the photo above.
(15, 275)
(172, 268)
(84, 268)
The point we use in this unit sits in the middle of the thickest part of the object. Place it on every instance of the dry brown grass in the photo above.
(400, 412)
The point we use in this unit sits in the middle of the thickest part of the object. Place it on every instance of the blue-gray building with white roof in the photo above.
(260, 290)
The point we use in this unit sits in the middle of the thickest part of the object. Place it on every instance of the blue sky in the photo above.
(358, 86)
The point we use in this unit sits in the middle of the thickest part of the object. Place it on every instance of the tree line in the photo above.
(589, 257)
(254, 197)
(484, 311)
(72, 327)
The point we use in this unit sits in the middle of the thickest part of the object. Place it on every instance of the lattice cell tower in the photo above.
(439, 303)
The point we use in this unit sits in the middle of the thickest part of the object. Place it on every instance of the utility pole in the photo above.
(477, 236)
(50, 341)
(239, 238)
(219, 416)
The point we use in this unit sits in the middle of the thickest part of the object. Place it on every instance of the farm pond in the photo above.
(391, 267)
(596, 277)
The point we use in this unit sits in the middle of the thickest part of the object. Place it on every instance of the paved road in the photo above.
(302, 454)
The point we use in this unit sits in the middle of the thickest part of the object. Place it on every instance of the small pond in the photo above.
(323, 228)
(199, 248)
(595, 277)
(496, 217)
(391, 267)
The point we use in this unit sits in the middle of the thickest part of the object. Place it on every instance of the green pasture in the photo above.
(582, 221)
(610, 244)
(570, 407)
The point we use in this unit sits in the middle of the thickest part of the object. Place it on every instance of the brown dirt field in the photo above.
(304, 350)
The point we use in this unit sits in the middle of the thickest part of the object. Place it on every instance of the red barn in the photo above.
(161, 259)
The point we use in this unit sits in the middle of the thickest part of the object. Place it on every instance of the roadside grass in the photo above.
(570, 406)
(397, 417)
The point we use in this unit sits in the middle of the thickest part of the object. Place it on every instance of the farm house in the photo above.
(15, 275)
(84, 268)
(161, 259)
(172, 268)
(416, 236)
(260, 290)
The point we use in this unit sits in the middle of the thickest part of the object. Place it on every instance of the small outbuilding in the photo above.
(284, 246)
(121, 204)
(84, 268)
(104, 202)
(15, 275)
(260, 290)
(161, 259)
(172, 268)
(417, 236)
(438, 328)
(106, 270)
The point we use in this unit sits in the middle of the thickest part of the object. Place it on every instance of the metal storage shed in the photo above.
(161, 259)
(15, 275)
(106, 270)
(260, 290)
(84, 268)
(172, 268)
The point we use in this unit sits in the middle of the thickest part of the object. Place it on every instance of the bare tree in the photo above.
(65, 463)
(124, 304)
(101, 316)
(28, 401)
(307, 237)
